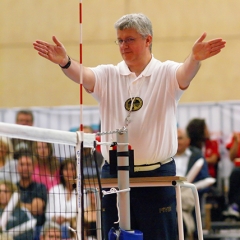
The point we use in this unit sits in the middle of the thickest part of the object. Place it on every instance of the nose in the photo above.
(123, 45)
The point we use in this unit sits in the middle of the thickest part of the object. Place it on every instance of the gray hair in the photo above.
(137, 21)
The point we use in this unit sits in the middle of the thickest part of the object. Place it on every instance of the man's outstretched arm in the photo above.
(201, 50)
(57, 54)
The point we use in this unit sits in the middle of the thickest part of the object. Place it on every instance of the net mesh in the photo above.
(49, 184)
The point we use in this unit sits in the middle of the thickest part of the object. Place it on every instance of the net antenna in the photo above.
(79, 146)
(81, 67)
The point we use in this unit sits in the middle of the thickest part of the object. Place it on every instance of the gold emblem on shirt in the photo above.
(137, 104)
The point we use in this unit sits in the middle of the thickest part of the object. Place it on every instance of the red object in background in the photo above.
(237, 162)
(229, 145)
(115, 147)
(211, 147)
(98, 147)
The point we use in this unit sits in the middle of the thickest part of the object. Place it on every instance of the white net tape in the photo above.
(44, 135)
(62, 210)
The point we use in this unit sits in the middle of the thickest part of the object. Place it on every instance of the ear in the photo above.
(149, 40)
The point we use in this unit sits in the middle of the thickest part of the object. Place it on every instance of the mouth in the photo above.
(126, 52)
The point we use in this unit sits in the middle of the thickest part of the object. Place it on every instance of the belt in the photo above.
(142, 168)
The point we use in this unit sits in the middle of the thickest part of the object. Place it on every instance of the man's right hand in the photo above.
(56, 53)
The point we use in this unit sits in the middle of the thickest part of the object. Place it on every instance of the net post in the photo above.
(123, 179)
(80, 215)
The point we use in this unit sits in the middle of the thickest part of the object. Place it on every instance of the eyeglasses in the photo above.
(127, 41)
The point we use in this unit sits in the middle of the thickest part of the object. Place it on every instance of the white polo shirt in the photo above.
(152, 132)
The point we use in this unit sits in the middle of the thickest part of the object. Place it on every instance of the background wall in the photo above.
(29, 80)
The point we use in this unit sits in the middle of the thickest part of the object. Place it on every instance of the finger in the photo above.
(216, 46)
(45, 55)
(43, 50)
(202, 38)
(213, 53)
(42, 43)
(55, 40)
(217, 41)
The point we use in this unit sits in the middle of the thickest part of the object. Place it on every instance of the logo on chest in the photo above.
(133, 104)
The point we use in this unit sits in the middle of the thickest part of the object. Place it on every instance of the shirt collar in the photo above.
(124, 70)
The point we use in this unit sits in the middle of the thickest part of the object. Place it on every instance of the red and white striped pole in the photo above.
(79, 146)
(80, 61)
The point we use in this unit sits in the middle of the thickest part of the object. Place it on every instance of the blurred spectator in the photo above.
(234, 180)
(185, 158)
(51, 231)
(62, 205)
(234, 146)
(46, 165)
(16, 221)
(87, 129)
(187, 155)
(23, 117)
(234, 194)
(33, 195)
(8, 166)
(199, 135)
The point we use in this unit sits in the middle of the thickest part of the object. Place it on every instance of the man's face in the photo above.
(24, 119)
(183, 141)
(52, 234)
(134, 50)
(25, 167)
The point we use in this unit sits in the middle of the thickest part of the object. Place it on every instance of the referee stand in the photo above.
(123, 184)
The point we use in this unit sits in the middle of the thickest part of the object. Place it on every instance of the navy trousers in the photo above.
(152, 209)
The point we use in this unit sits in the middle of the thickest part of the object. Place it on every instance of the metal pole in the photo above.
(98, 209)
(123, 179)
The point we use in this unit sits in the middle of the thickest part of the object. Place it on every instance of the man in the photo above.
(23, 117)
(140, 93)
(185, 158)
(33, 195)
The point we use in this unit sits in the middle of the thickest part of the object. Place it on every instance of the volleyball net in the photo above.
(49, 184)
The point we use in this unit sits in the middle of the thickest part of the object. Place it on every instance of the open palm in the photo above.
(203, 50)
(53, 52)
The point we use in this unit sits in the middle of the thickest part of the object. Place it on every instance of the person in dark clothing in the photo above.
(33, 195)
(199, 135)
(185, 159)
(16, 221)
